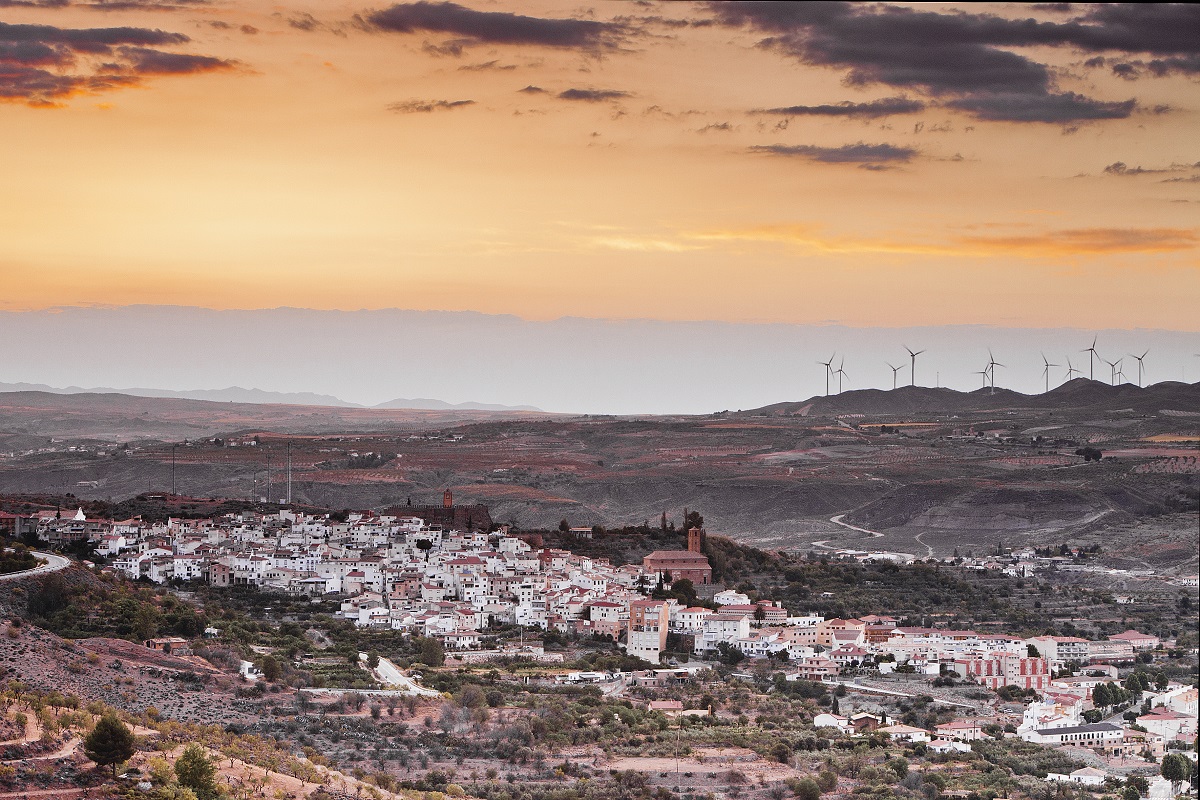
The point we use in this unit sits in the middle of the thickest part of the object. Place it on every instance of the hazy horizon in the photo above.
(571, 365)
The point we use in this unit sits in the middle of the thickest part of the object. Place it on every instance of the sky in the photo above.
(866, 165)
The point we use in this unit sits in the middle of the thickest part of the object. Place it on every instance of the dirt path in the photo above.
(921, 542)
(836, 519)
(67, 749)
(242, 773)
(33, 731)
(50, 793)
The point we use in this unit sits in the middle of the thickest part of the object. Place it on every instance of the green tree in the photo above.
(110, 743)
(196, 771)
(373, 659)
(563, 525)
(1101, 696)
(425, 545)
(1138, 784)
(270, 668)
(432, 652)
(1176, 768)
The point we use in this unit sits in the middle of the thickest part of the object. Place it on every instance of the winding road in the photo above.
(837, 520)
(54, 563)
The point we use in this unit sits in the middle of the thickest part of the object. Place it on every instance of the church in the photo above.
(691, 564)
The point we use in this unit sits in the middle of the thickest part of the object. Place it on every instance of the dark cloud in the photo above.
(88, 40)
(487, 66)
(868, 156)
(875, 108)
(967, 57)
(43, 65)
(1157, 67)
(1121, 169)
(304, 22)
(108, 5)
(1053, 108)
(38, 87)
(428, 106)
(497, 27)
(592, 95)
(451, 48)
(145, 61)
(720, 127)
(531, 89)
(142, 5)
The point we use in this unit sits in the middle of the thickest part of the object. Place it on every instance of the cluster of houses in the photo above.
(402, 573)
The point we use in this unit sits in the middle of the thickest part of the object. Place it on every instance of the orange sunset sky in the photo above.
(870, 164)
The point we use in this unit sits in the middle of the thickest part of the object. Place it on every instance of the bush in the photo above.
(807, 789)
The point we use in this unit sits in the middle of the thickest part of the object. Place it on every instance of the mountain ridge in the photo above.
(239, 394)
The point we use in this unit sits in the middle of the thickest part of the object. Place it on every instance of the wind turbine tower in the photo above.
(1071, 371)
(1092, 356)
(1115, 365)
(1139, 360)
(894, 371)
(828, 372)
(912, 371)
(841, 373)
(1046, 370)
(992, 364)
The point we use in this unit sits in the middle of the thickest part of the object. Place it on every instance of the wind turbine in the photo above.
(912, 373)
(1116, 365)
(984, 373)
(1070, 369)
(1139, 360)
(841, 373)
(992, 364)
(828, 372)
(894, 371)
(1092, 355)
(1046, 370)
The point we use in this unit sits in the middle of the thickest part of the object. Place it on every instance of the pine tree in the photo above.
(110, 743)
(196, 771)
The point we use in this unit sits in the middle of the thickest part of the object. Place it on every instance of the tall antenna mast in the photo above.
(268, 475)
(289, 472)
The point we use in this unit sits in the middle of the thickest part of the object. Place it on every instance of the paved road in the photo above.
(390, 675)
(876, 690)
(53, 564)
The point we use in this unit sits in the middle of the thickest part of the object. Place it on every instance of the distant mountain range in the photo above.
(423, 404)
(1079, 393)
(237, 394)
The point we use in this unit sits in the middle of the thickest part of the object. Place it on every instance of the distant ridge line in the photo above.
(1078, 393)
(238, 394)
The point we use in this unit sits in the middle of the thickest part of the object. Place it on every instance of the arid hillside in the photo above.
(932, 470)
